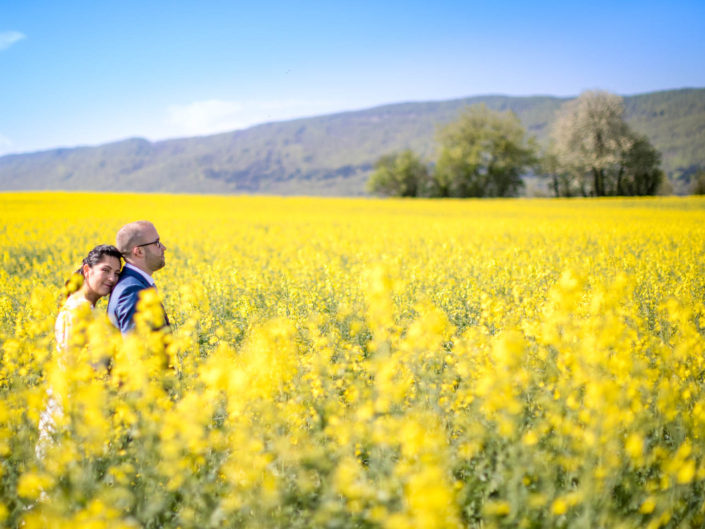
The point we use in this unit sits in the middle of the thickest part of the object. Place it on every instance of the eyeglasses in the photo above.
(157, 242)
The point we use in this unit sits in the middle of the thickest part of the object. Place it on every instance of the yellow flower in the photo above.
(686, 472)
(530, 438)
(559, 506)
(648, 505)
(32, 484)
(497, 508)
(634, 446)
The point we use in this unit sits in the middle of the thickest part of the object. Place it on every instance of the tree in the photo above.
(550, 167)
(401, 175)
(639, 171)
(697, 186)
(598, 154)
(483, 154)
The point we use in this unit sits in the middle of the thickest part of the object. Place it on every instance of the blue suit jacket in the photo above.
(123, 299)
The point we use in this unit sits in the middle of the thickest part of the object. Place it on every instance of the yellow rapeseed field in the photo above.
(339, 363)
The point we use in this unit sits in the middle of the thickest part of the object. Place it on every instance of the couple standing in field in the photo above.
(100, 274)
(139, 245)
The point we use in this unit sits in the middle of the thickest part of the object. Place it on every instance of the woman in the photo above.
(94, 279)
(99, 273)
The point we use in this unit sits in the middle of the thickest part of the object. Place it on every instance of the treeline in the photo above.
(592, 151)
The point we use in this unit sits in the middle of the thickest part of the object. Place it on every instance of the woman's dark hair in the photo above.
(94, 257)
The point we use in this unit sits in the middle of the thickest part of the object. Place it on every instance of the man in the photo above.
(144, 254)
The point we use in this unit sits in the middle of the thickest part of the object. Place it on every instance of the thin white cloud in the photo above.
(6, 145)
(8, 38)
(203, 117)
(213, 116)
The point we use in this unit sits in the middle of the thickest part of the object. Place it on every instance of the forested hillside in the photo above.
(332, 154)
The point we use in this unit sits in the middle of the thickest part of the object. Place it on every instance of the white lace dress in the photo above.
(66, 319)
(62, 332)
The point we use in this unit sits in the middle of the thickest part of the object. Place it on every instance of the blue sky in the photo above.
(86, 73)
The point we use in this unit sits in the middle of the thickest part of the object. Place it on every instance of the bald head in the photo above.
(140, 245)
(130, 235)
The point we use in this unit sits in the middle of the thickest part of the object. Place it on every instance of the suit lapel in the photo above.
(131, 273)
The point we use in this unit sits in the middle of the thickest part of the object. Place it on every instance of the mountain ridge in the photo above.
(330, 154)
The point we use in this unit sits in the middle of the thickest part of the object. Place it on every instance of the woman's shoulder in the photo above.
(69, 312)
(74, 302)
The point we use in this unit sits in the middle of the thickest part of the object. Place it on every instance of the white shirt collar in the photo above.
(142, 273)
